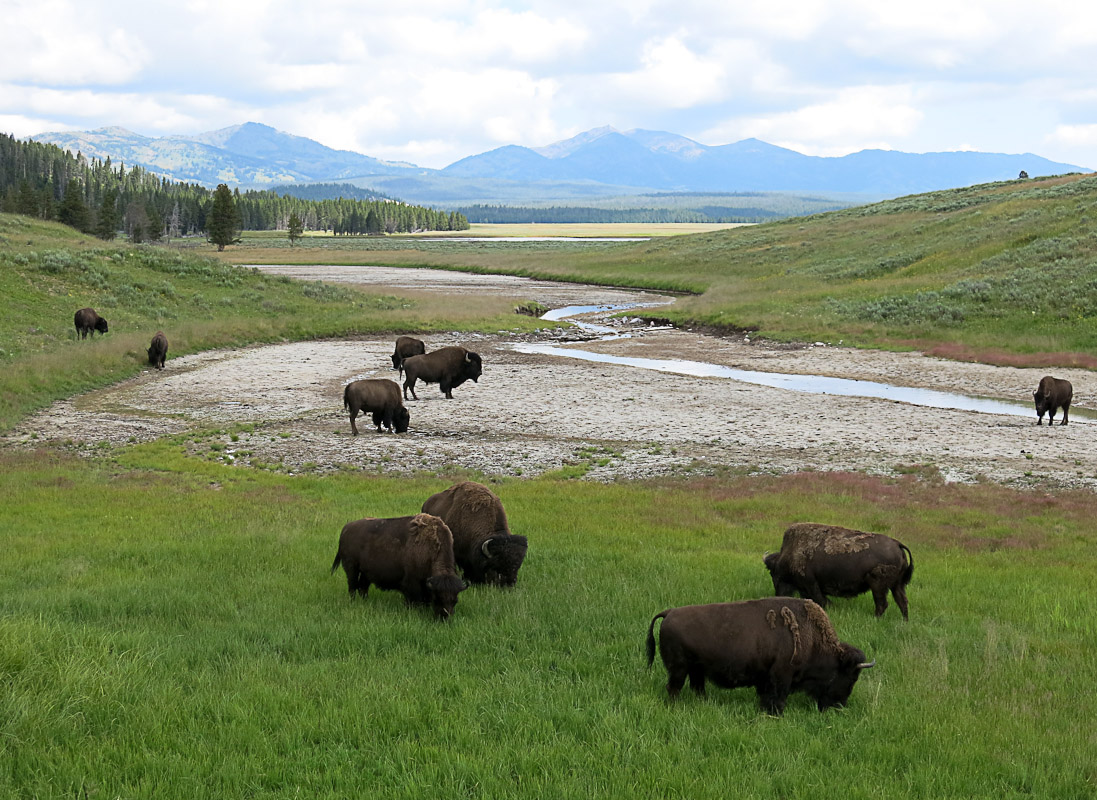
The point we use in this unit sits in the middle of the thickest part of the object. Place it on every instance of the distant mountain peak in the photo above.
(566, 147)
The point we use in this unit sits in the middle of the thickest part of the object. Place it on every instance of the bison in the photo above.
(485, 549)
(778, 645)
(87, 322)
(449, 367)
(820, 560)
(1050, 395)
(380, 396)
(406, 346)
(413, 555)
(158, 350)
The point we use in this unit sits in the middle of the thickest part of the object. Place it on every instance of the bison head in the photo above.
(443, 594)
(497, 559)
(101, 325)
(396, 361)
(472, 367)
(835, 689)
(401, 418)
(781, 587)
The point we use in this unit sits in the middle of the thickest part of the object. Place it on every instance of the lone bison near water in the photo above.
(485, 549)
(381, 397)
(87, 322)
(778, 645)
(158, 350)
(449, 367)
(820, 560)
(1050, 395)
(406, 347)
(413, 555)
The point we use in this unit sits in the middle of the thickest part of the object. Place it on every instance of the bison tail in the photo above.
(334, 564)
(908, 573)
(651, 636)
(346, 397)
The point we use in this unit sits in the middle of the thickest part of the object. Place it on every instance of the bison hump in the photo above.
(807, 539)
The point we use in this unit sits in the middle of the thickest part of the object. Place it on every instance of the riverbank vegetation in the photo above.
(1000, 272)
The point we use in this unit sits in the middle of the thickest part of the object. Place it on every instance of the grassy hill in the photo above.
(1003, 272)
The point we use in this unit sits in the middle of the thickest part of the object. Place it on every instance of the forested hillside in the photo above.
(43, 181)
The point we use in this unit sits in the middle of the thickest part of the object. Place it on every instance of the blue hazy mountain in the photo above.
(598, 162)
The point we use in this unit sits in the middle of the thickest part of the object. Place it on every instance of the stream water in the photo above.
(815, 384)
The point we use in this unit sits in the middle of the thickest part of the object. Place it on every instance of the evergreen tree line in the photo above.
(586, 214)
(44, 181)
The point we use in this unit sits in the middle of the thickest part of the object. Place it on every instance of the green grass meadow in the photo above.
(170, 628)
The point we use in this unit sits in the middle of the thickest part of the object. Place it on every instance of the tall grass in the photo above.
(171, 629)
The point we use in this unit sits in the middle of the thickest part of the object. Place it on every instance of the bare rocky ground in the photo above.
(280, 406)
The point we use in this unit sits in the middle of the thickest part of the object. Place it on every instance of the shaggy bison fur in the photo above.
(1050, 395)
(820, 560)
(87, 322)
(483, 545)
(406, 347)
(778, 645)
(413, 555)
(449, 367)
(381, 397)
(158, 350)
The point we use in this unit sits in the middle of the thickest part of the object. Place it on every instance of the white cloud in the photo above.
(670, 75)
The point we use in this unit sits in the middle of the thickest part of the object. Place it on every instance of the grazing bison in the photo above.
(485, 549)
(87, 322)
(158, 350)
(380, 396)
(449, 367)
(406, 346)
(820, 560)
(413, 555)
(778, 645)
(1050, 395)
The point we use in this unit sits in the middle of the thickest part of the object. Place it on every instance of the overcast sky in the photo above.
(431, 82)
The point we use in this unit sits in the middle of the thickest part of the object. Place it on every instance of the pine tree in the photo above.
(295, 229)
(106, 226)
(223, 222)
(73, 211)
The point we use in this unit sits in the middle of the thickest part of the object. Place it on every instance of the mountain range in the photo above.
(598, 162)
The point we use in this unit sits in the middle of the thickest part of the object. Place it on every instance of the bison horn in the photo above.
(485, 548)
(467, 357)
(867, 664)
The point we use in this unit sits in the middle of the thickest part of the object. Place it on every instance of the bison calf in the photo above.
(778, 645)
(820, 560)
(413, 555)
(406, 347)
(381, 397)
(87, 322)
(1050, 395)
(449, 367)
(158, 350)
(483, 545)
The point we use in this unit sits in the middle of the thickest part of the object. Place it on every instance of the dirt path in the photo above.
(533, 413)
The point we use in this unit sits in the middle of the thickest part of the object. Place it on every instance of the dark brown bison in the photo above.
(820, 560)
(158, 350)
(449, 367)
(406, 346)
(1050, 395)
(485, 549)
(413, 555)
(87, 322)
(778, 645)
(381, 397)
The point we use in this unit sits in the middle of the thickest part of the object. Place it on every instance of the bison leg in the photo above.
(447, 389)
(697, 678)
(899, 592)
(1066, 410)
(410, 384)
(378, 419)
(880, 598)
(353, 414)
(676, 679)
(773, 695)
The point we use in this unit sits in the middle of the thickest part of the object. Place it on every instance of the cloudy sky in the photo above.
(431, 82)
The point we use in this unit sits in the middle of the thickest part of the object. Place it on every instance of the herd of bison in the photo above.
(461, 536)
